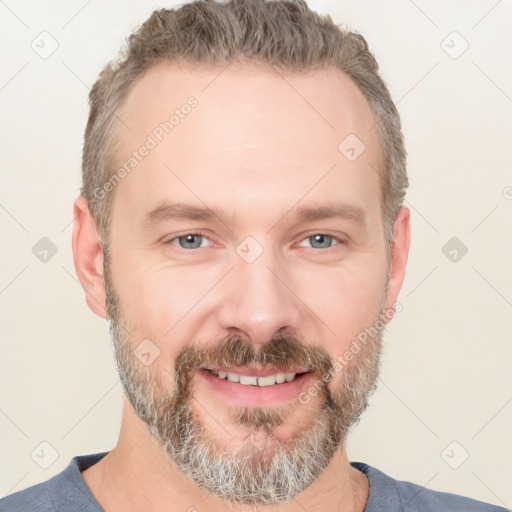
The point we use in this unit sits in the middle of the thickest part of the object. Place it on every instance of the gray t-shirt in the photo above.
(68, 492)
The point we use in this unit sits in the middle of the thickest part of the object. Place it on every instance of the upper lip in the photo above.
(257, 372)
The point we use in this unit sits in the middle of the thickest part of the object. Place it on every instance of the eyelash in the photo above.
(200, 233)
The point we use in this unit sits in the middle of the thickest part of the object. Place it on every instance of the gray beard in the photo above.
(276, 472)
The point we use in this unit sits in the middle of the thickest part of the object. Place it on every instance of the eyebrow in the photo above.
(342, 211)
(181, 211)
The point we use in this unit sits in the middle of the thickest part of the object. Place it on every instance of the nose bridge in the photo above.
(257, 303)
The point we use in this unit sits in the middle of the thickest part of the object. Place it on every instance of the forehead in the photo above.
(251, 127)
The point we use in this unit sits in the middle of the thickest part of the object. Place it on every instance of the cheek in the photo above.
(155, 310)
(168, 306)
(345, 300)
(152, 293)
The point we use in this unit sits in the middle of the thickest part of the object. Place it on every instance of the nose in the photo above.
(258, 300)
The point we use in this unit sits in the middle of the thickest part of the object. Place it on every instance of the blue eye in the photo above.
(190, 240)
(320, 241)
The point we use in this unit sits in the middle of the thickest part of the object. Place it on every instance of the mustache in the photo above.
(281, 352)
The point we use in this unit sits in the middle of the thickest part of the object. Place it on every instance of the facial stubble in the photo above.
(252, 474)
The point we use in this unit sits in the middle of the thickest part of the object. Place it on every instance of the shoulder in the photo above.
(415, 497)
(33, 498)
(402, 496)
(64, 492)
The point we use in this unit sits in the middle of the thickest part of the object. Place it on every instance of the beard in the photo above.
(280, 469)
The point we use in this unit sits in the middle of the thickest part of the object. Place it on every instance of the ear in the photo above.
(88, 257)
(399, 253)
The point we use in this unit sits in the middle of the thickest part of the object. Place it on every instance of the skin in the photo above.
(259, 145)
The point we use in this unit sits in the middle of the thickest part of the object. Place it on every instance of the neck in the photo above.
(136, 475)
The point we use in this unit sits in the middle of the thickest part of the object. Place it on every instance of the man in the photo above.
(241, 226)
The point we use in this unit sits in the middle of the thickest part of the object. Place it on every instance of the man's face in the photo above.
(284, 273)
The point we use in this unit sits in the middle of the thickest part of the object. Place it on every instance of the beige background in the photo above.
(446, 371)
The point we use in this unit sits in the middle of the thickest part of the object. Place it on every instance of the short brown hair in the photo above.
(285, 34)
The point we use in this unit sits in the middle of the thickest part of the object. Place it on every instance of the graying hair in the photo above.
(285, 34)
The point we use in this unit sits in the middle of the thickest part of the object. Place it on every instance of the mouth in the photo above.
(251, 386)
(270, 379)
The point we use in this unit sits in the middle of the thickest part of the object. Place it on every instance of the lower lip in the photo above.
(257, 395)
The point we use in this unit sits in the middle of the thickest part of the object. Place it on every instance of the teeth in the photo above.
(280, 378)
(269, 380)
(245, 380)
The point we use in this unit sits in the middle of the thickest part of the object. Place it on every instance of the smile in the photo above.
(251, 380)
(256, 387)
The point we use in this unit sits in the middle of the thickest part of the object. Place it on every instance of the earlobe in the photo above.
(88, 256)
(399, 254)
